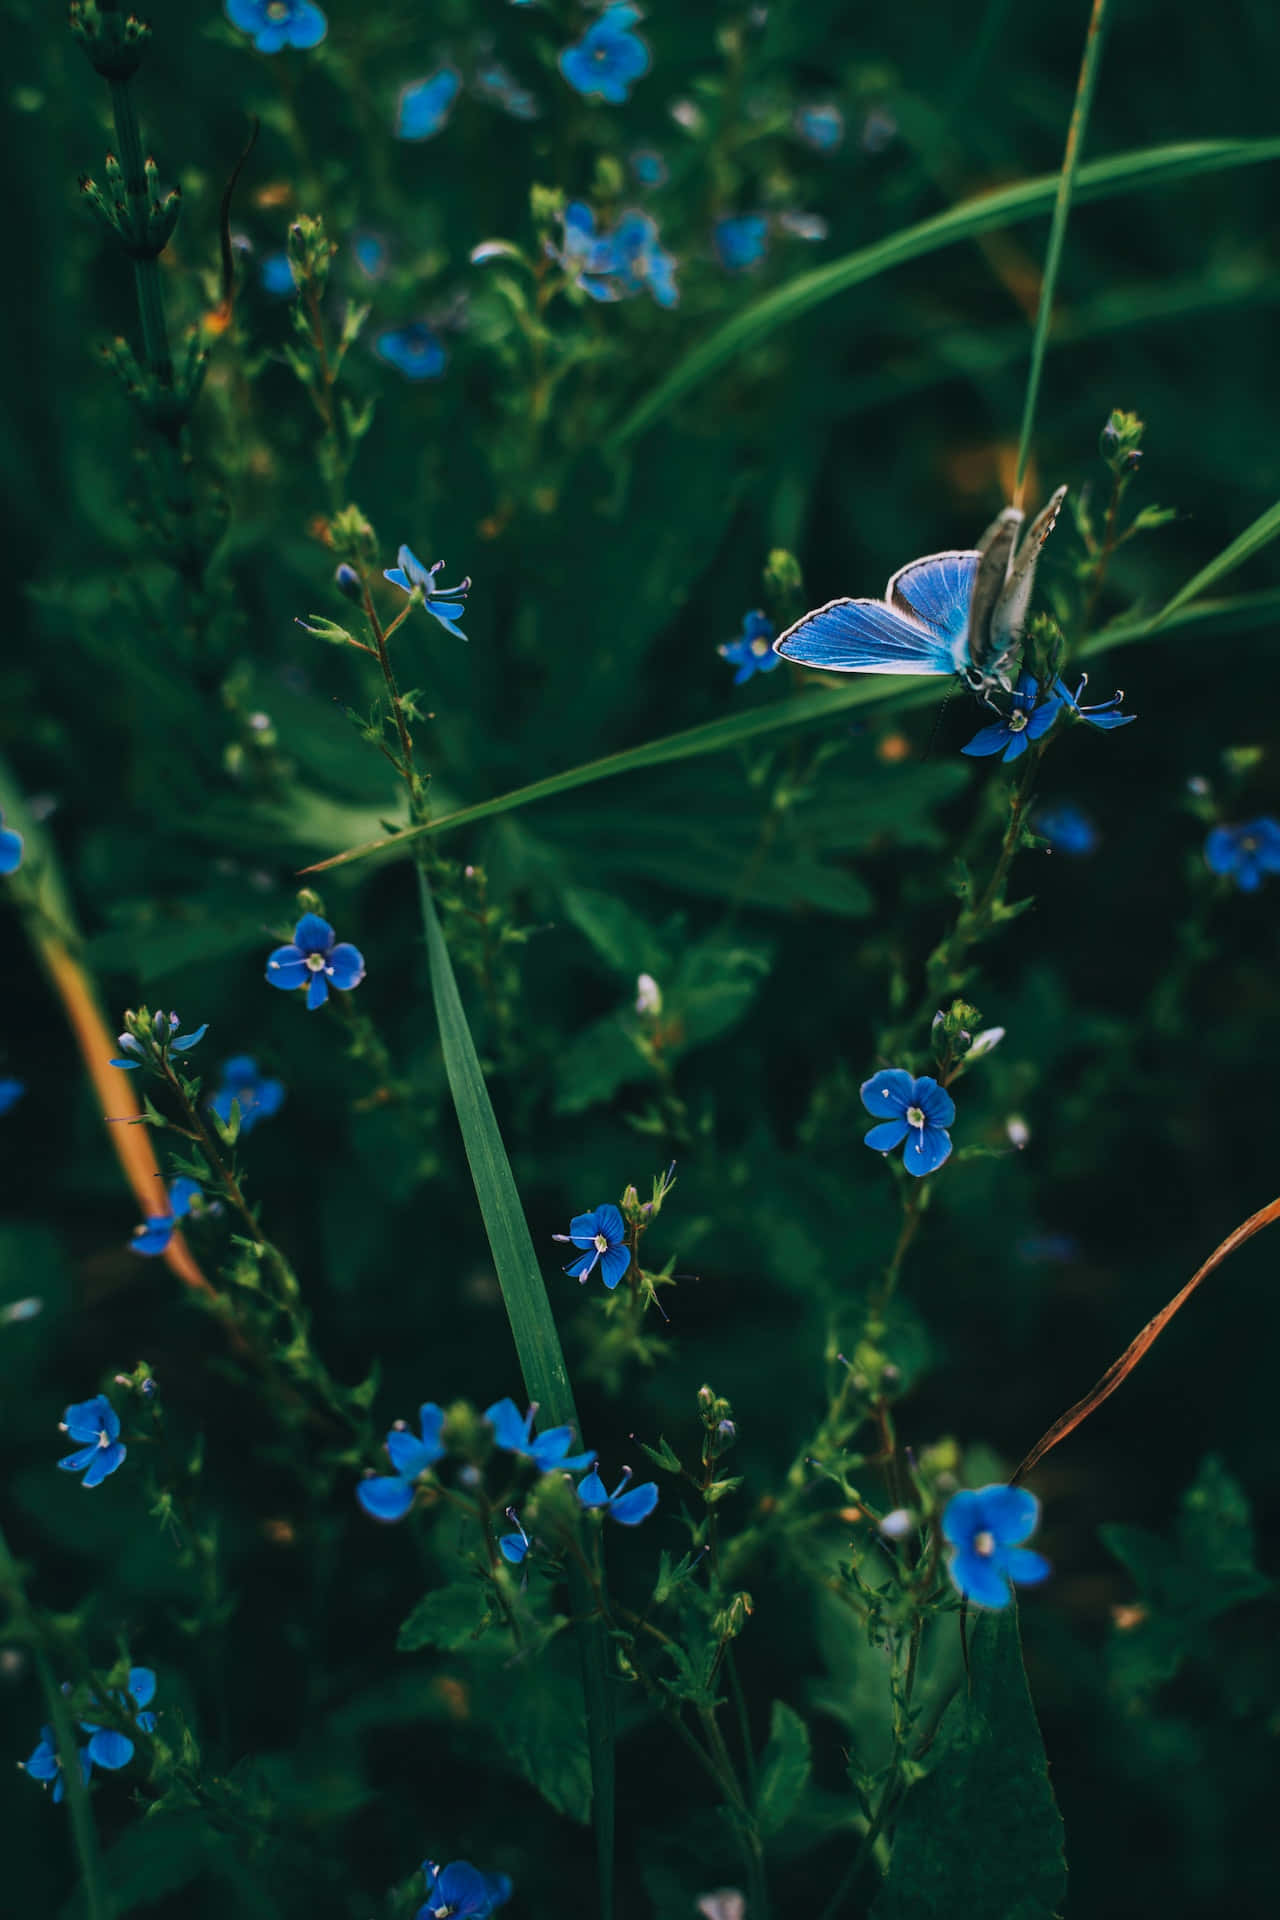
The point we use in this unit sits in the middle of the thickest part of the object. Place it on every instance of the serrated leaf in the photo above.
(663, 1455)
(450, 1617)
(785, 1766)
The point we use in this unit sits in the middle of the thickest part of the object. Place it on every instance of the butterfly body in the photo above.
(961, 612)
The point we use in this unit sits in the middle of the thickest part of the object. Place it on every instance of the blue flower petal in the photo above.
(408, 1455)
(592, 1491)
(581, 1264)
(431, 1425)
(385, 1498)
(109, 1458)
(77, 1462)
(1011, 1514)
(513, 1547)
(181, 1194)
(317, 992)
(977, 1576)
(926, 1150)
(345, 967)
(10, 850)
(933, 1101)
(86, 1419)
(888, 1135)
(286, 968)
(888, 1093)
(154, 1237)
(629, 1509)
(313, 935)
(510, 1428)
(992, 739)
(44, 1763)
(613, 1265)
(142, 1686)
(611, 1223)
(961, 1517)
(109, 1749)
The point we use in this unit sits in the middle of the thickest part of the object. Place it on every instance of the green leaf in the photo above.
(543, 1731)
(981, 1834)
(450, 1617)
(1148, 167)
(537, 1342)
(620, 937)
(784, 1768)
(1263, 530)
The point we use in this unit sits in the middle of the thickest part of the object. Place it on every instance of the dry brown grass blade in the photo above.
(1124, 1366)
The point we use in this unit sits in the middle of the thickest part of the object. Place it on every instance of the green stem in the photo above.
(146, 272)
(1058, 231)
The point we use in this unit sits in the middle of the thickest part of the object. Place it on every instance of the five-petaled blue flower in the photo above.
(1104, 716)
(425, 105)
(313, 961)
(820, 125)
(1245, 852)
(609, 58)
(390, 1496)
(1067, 828)
(987, 1526)
(461, 1892)
(158, 1231)
(11, 1091)
(549, 1453)
(442, 603)
(753, 652)
(257, 1097)
(628, 1509)
(740, 240)
(415, 350)
(277, 278)
(45, 1764)
(601, 1235)
(1032, 711)
(276, 24)
(10, 848)
(915, 1110)
(95, 1426)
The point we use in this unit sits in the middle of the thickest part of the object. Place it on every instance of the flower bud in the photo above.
(347, 581)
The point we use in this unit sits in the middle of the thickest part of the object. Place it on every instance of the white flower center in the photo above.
(1017, 721)
(315, 961)
(760, 646)
(984, 1543)
(104, 1438)
(601, 1244)
(278, 10)
(915, 1116)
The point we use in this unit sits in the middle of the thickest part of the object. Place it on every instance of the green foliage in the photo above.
(785, 1766)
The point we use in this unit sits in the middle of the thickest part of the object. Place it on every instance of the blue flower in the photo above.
(608, 58)
(641, 261)
(256, 1097)
(442, 603)
(918, 1108)
(1245, 852)
(514, 1546)
(95, 1425)
(462, 1892)
(10, 848)
(45, 1764)
(753, 652)
(11, 1091)
(370, 250)
(1066, 827)
(415, 350)
(740, 240)
(390, 1496)
(628, 1509)
(600, 1234)
(276, 24)
(1103, 716)
(163, 1029)
(155, 1236)
(314, 962)
(648, 168)
(1031, 713)
(277, 276)
(112, 1750)
(587, 255)
(425, 105)
(986, 1527)
(820, 125)
(549, 1452)
(496, 84)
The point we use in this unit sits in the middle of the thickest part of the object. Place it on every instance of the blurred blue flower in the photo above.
(109, 1749)
(10, 848)
(601, 1234)
(648, 168)
(1104, 716)
(1031, 713)
(514, 1546)
(257, 1098)
(740, 240)
(608, 59)
(276, 276)
(390, 1496)
(1067, 828)
(462, 1892)
(586, 254)
(915, 1110)
(987, 1526)
(314, 962)
(442, 603)
(753, 652)
(628, 1509)
(45, 1764)
(820, 125)
(370, 251)
(276, 24)
(95, 1426)
(1246, 852)
(641, 261)
(415, 350)
(11, 1091)
(155, 1236)
(499, 86)
(513, 1433)
(425, 105)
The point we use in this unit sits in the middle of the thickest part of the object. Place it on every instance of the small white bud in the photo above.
(985, 1042)
(1018, 1131)
(898, 1524)
(648, 994)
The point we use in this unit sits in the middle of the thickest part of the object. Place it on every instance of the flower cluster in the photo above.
(105, 1747)
(915, 1110)
(316, 960)
(608, 59)
(95, 1427)
(1033, 708)
(986, 1527)
(148, 1040)
(752, 652)
(619, 263)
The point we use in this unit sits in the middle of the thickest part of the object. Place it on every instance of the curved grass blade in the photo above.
(1122, 173)
(1264, 529)
(798, 710)
(1120, 1370)
(538, 1346)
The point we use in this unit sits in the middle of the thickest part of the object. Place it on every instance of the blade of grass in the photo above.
(1100, 180)
(537, 1342)
(798, 710)
(1265, 528)
(1058, 233)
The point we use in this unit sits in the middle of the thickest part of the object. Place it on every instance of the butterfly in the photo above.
(948, 613)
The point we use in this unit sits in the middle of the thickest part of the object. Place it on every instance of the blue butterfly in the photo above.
(948, 613)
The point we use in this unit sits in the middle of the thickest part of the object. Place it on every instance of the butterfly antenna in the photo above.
(937, 722)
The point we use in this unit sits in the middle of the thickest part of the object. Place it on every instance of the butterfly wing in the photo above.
(937, 591)
(866, 636)
(1010, 613)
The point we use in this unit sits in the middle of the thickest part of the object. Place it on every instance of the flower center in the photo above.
(277, 9)
(760, 646)
(601, 1244)
(1017, 721)
(315, 961)
(915, 1116)
(103, 1439)
(1248, 844)
(984, 1543)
